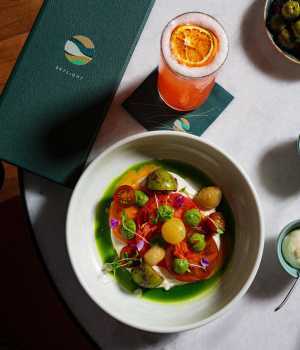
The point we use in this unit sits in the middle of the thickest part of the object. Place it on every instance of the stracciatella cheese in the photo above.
(291, 248)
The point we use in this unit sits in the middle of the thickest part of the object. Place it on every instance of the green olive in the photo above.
(277, 23)
(145, 276)
(161, 180)
(165, 212)
(141, 198)
(180, 266)
(285, 39)
(296, 29)
(197, 241)
(192, 217)
(128, 229)
(291, 9)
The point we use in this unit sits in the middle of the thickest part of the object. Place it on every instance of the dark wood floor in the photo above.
(32, 315)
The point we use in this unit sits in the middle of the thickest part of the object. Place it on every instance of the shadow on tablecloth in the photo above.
(279, 169)
(270, 280)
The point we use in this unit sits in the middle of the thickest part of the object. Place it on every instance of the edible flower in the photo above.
(114, 223)
(140, 245)
(204, 262)
(178, 202)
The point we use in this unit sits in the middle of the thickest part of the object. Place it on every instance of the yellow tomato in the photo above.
(209, 197)
(173, 231)
(154, 255)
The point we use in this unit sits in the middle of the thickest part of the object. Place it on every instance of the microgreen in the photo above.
(184, 190)
(154, 221)
(117, 264)
(125, 226)
(142, 237)
(220, 231)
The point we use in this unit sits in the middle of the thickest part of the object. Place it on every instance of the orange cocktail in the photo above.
(193, 48)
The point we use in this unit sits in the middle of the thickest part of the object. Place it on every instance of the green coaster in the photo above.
(146, 107)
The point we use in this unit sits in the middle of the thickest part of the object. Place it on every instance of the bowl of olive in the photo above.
(177, 292)
(282, 18)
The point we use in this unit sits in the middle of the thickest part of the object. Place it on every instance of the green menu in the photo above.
(64, 81)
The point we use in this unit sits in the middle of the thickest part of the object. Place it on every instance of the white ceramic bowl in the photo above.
(237, 188)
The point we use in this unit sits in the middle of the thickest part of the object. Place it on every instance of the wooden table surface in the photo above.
(33, 316)
(16, 19)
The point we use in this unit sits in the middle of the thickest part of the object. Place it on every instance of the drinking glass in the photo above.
(182, 87)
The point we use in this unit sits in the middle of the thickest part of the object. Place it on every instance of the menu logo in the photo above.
(79, 50)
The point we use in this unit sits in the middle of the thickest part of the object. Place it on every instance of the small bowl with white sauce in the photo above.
(288, 248)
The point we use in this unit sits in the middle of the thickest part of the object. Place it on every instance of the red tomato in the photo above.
(148, 225)
(176, 200)
(128, 251)
(148, 213)
(124, 196)
(215, 223)
(180, 203)
(197, 273)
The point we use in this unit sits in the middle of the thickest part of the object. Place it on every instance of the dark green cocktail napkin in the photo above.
(146, 107)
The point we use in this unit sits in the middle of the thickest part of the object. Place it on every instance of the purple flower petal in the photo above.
(204, 262)
(114, 223)
(178, 202)
(140, 245)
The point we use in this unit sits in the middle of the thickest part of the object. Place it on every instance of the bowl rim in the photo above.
(292, 271)
(269, 35)
(242, 291)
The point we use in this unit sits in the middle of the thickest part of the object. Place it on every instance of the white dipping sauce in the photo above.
(291, 248)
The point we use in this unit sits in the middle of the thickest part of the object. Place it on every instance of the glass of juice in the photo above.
(194, 46)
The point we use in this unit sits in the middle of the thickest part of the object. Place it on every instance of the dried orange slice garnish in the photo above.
(193, 45)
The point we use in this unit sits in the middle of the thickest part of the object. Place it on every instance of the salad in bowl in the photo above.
(167, 226)
(164, 231)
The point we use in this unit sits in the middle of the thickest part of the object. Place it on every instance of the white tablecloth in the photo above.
(258, 129)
